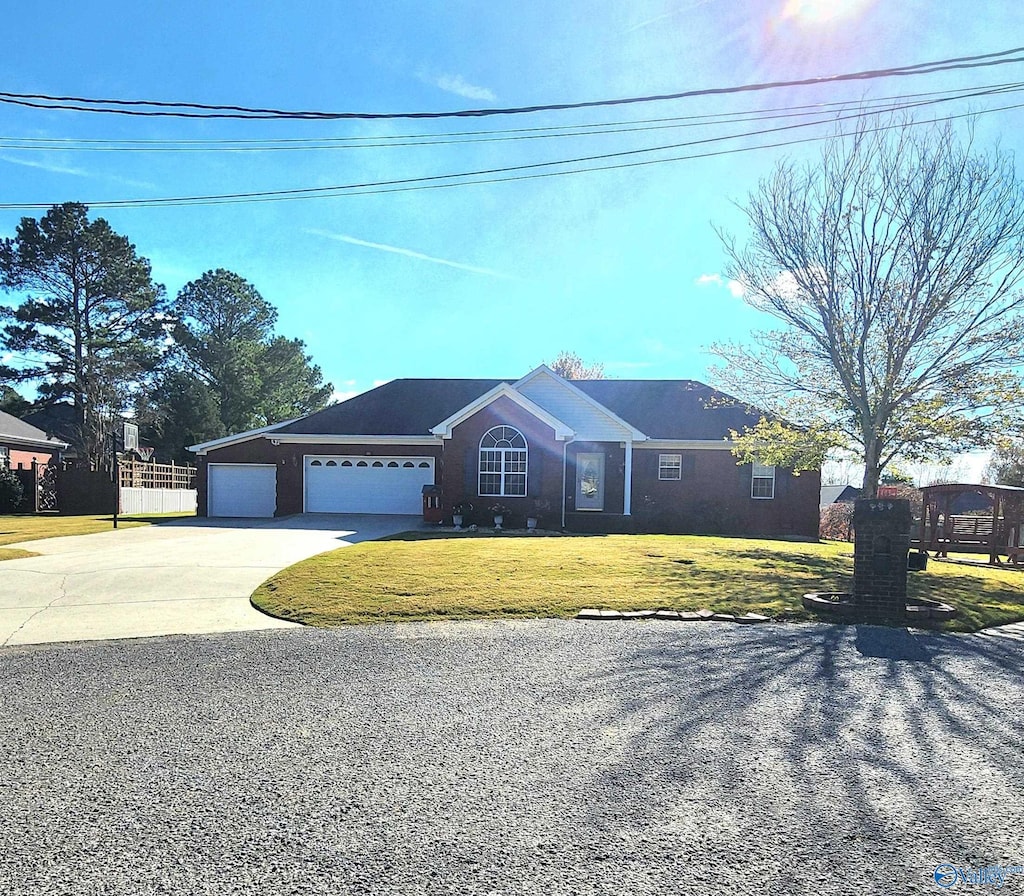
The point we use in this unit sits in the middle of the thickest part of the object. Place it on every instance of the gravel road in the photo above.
(511, 758)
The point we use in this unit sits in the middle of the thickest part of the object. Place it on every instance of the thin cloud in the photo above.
(76, 172)
(734, 286)
(409, 253)
(44, 166)
(668, 15)
(460, 87)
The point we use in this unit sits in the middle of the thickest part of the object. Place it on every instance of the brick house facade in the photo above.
(601, 456)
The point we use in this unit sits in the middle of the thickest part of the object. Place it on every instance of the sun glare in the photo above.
(821, 11)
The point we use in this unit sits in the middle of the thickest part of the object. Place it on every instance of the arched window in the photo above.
(362, 463)
(408, 463)
(392, 463)
(377, 463)
(503, 455)
(315, 463)
(423, 465)
(346, 463)
(331, 463)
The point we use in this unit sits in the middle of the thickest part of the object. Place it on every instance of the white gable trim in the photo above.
(44, 444)
(635, 434)
(687, 444)
(312, 438)
(203, 447)
(502, 390)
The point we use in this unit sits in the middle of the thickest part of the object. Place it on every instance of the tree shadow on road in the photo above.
(856, 755)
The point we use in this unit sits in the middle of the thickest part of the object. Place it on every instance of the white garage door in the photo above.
(242, 490)
(337, 484)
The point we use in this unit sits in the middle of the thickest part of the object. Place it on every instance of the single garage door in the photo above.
(241, 490)
(338, 484)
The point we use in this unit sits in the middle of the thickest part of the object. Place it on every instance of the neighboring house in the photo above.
(21, 444)
(839, 494)
(605, 455)
(58, 421)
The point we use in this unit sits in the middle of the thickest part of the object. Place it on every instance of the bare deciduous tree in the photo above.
(571, 366)
(891, 264)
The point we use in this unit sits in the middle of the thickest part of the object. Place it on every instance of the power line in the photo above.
(158, 108)
(820, 111)
(459, 178)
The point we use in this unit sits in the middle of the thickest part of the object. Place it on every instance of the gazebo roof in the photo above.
(946, 488)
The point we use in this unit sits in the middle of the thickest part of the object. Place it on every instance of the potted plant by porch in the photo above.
(499, 510)
(459, 511)
(540, 507)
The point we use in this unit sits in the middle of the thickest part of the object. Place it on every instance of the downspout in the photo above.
(565, 469)
(627, 498)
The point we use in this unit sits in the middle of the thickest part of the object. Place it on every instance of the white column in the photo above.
(628, 494)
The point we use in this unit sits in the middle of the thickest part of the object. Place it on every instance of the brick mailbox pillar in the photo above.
(880, 549)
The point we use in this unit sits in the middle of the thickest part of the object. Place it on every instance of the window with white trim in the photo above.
(762, 482)
(503, 458)
(5, 457)
(670, 466)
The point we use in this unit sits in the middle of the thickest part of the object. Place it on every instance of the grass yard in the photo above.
(422, 576)
(15, 528)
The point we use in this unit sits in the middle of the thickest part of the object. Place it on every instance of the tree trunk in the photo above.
(869, 487)
(872, 469)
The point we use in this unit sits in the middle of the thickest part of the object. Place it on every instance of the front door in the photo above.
(590, 482)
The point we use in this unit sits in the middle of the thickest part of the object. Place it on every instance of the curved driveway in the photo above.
(189, 576)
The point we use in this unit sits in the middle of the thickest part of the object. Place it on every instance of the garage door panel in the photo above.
(244, 490)
(367, 485)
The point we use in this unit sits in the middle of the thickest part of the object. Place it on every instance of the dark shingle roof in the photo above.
(398, 408)
(56, 419)
(671, 409)
(11, 428)
(831, 494)
(663, 409)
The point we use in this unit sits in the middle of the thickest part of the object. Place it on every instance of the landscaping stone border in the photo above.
(672, 615)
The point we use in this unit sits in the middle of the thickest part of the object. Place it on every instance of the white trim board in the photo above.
(445, 427)
(684, 445)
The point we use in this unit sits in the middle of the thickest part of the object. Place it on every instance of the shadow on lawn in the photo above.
(873, 739)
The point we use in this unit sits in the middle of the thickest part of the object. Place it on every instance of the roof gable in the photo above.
(445, 427)
(591, 420)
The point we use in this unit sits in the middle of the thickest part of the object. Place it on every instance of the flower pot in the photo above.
(531, 523)
(457, 520)
(498, 520)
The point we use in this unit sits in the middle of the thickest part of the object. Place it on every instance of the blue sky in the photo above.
(478, 281)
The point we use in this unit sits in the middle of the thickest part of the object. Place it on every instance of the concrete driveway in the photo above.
(189, 576)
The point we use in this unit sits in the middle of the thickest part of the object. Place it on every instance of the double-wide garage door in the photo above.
(357, 484)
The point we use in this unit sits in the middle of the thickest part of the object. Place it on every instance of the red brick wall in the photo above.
(461, 459)
(25, 456)
(714, 496)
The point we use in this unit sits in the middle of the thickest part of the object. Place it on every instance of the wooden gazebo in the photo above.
(991, 526)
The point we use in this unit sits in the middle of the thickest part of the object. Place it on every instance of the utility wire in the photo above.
(822, 112)
(174, 109)
(459, 178)
(707, 117)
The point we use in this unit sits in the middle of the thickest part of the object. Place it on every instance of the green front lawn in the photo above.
(15, 528)
(421, 576)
